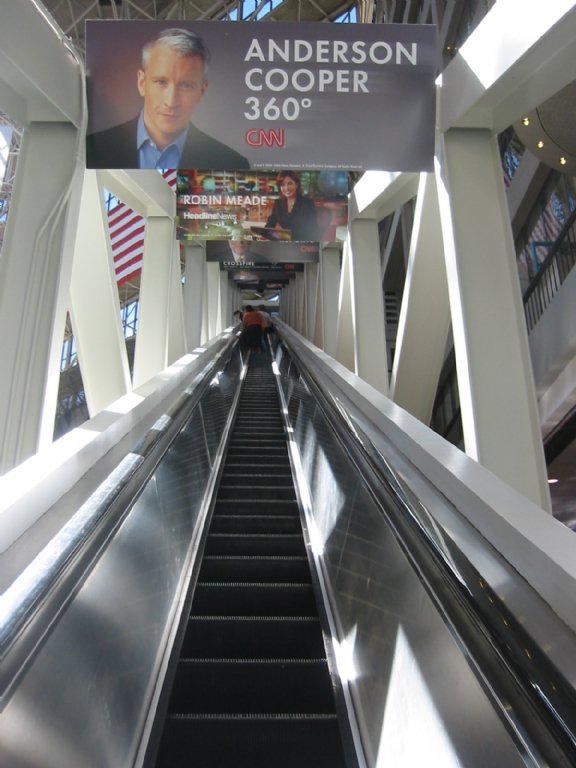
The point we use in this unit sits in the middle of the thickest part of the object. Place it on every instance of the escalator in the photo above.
(449, 657)
(252, 685)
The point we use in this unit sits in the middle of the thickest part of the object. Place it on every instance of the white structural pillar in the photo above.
(345, 330)
(285, 303)
(496, 386)
(311, 274)
(151, 353)
(327, 302)
(227, 299)
(299, 286)
(195, 262)
(34, 278)
(94, 304)
(293, 303)
(425, 312)
(176, 325)
(288, 303)
(368, 304)
(212, 314)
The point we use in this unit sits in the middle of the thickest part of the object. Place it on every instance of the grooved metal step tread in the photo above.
(258, 600)
(259, 660)
(258, 458)
(302, 686)
(252, 716)
(264, 535)
(251, 493)
(254, 569)
(252, 740)
(250, 584)
(259, 463)
(264, 637)
(258, 558)
(239, 506)
(255, 523)
(255, 618)
(255, 544)
(235, 436)
(232, 480)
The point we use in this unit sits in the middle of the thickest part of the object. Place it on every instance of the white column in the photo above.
(194, 295)
(301, 304)
(291, 317)
(311, 274)
(425, 312)
(151, 353)
(496, 386)
(318, 325)
(230, 299)
(34, 280)
(176, 327)
(226, 308)
(329, 287)
(212, 273)
(285, 303)
(94, 304)
(345, 351)
(368, 304)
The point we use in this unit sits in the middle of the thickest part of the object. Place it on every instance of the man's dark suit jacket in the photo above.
(116, 148)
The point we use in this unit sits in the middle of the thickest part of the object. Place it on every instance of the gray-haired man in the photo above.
(172, 82)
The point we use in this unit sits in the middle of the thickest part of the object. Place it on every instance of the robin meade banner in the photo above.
(239, 95)
(284, 206)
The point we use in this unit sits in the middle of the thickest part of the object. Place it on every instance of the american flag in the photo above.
(127, 236)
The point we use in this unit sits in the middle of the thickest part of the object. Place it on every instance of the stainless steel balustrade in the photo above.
(451, 657)
(86, 629)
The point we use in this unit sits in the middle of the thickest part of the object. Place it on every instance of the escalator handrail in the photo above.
(536, 700)
(31, 604)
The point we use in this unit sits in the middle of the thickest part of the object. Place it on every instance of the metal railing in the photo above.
(552, 273)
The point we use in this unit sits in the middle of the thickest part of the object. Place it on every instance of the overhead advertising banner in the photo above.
(243, 253)
(284, 206)
(266, 95)
(263, 278)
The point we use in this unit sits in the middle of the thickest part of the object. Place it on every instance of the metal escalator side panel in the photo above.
(404, 662)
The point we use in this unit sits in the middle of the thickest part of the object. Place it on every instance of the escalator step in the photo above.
(253, 637)
(227, 742)
(257, 440)
(255, 524)
(255, 544)
(254, 600)
(254, 686)
(260, 405)
(255, 478)
(253, 449)
(253, 423)
(256, 506)
(269, 492)
(255, 569)
(258, 458)
(239, 468)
